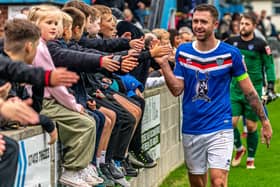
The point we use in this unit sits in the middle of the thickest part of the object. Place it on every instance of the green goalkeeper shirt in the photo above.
(258, 59)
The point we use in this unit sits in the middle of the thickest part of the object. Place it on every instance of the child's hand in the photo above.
(83, 111)
(128, 63)
(138, 93)
(4, 90)
(110, 64)
(63, 77)
(99, 94)
(91, 104)
(159, 51)
(18, 110)
(53, 136)
(133, 52)
(137, 44)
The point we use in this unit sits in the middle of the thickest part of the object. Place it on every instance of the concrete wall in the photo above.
(171, 150)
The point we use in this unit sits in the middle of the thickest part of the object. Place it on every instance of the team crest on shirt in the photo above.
(201, 88)
(268, 50)
(251, 47)
(220, 61)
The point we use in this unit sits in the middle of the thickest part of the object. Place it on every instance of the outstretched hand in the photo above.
(128, 63)
(137, 44)
(160, 50)
(63, 77)
(109, 64)
(18, 110)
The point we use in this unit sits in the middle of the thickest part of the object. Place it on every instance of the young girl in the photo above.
(77, 130)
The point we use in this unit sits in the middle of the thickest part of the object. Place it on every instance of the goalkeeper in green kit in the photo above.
(258, 59)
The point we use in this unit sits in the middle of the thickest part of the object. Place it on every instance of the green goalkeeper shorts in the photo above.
(240, 105)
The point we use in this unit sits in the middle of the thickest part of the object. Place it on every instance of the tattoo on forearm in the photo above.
(256, 105)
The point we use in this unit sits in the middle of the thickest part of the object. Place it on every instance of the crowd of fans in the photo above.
(97, 117)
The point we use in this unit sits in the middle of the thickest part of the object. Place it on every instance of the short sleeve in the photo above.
(238, 64)
(178, 70)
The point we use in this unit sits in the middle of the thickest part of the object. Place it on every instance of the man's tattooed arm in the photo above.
(256, 104)
(252, 97)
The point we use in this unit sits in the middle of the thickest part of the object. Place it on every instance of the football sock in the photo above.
(237, 139)
(102, 157)
(252, 143)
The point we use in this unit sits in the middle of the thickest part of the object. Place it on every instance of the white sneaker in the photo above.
(91, 169)
(73, 178)
(86, 175)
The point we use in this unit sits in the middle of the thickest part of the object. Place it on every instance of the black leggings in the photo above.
(136, 142)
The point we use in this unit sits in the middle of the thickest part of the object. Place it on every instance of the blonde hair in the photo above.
(161, 33)
(67, 20)
(96, 13)
(104, 10)
(41, 12)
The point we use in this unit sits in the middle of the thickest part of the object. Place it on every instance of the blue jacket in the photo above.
(131, 84)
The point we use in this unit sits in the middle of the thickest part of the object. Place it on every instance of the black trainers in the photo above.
(108, 180)
(133, 160)
(130, 171)
(105, 171)
(115, 171)
(146, 159)
(109, 169)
